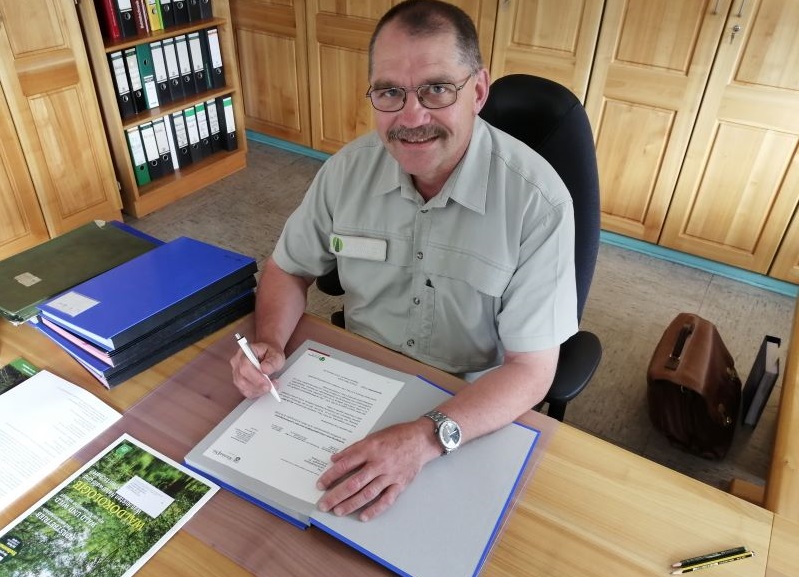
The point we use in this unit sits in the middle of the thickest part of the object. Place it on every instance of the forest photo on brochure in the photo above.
(107, 519)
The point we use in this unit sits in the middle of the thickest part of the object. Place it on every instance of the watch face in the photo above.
(450, 435)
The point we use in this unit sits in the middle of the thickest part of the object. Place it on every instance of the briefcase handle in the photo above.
(674, 358)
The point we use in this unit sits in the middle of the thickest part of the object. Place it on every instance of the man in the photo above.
(454, 243)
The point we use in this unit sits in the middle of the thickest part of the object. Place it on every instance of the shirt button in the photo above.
(410, 342)
(420, 255)
(416, 300)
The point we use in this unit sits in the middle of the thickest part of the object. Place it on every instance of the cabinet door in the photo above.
(338, 44)
(21, 222)
(739, 185)
(652, 63)
(786, 264)
(50, 93)
(550, 38)
(271, 43)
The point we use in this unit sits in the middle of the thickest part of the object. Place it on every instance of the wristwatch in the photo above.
(447, 431)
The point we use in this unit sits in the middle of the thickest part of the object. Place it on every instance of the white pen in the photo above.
(245, 346)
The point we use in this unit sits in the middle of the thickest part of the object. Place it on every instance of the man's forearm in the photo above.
(280, 302)
(502, 395)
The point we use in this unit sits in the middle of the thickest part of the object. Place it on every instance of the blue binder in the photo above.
(126, 302)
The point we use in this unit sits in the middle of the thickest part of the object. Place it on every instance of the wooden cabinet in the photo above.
(141, 200)
(273, 59)
(786, 264)
(739, 184)
(56, 170)
(555, 40)
(652, 63)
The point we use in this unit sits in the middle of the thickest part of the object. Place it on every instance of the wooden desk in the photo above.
(590, 509)
(782, 488)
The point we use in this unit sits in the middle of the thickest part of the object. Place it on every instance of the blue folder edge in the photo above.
(135, 232)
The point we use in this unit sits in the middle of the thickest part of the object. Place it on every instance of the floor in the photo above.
(633, 298)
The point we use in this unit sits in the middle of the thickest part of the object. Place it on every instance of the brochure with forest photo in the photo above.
(107, 519)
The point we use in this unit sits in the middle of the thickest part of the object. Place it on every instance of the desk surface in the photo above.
(591, 508)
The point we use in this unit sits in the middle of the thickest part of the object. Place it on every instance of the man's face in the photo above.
(428, 144)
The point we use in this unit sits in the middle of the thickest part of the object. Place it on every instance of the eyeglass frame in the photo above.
(416, 89)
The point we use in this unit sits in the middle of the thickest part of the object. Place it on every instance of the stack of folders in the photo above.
(131, 317)
(172, 142)
(129, 18)
(166, 70)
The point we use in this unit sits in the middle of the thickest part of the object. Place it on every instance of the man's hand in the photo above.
(374, 471)
(249, 379)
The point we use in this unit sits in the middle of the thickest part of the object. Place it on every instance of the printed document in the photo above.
(327, 405)
(43, 421)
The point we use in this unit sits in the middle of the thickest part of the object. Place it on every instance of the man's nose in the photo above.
(413, 113)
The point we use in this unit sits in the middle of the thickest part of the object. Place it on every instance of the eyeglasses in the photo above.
(433, 96)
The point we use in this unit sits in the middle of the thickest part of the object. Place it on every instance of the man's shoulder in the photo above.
(513, 156)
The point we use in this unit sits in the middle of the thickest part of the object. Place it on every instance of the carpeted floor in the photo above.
(632, 300)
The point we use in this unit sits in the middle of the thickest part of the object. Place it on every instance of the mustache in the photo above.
(416, 133)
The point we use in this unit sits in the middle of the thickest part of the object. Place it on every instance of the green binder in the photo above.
(46, 270)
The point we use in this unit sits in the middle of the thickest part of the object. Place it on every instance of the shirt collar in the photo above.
(467, 185)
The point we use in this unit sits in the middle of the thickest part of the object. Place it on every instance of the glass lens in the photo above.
(388, 99)
(437, 95)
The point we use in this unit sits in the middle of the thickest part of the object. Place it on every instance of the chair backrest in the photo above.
(551, 120)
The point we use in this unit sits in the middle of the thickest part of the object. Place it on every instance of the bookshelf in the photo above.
(139, 200)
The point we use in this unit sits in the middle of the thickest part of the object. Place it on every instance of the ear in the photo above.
(481, 84)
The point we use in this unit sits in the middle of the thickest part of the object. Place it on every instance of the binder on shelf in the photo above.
(206, 9)
(170, 136)
(127, 22)
(109, 19)
(194, 10)
(184, 64)
(204, 129)
(161, 76)
(227, 121)
(154, 15)
(136, 86)
(213, 125)
(121, 85)
(147, 71)
(197, 62)
(195, 151)
(181, 136)
(761, 381)
(167, 15)
(217, 70)
(137, 155)
(180, 8)
(140, 17)
(151, 150)
(162, 143)
(130, 300)
(172, 69)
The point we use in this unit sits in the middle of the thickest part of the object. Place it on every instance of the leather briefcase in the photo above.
(693, 390)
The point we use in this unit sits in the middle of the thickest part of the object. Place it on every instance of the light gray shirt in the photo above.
(485, 266)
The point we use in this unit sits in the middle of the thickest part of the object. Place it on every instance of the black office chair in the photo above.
(552, 121)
